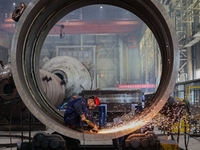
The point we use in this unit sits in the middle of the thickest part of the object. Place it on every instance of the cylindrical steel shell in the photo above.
(52, 87)
(34, 25)
(76, 76)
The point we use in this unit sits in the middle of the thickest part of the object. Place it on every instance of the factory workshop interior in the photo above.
(135, 61)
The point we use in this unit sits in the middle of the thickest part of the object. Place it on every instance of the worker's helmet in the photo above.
(96, 100)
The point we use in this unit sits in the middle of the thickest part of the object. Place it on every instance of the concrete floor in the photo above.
(194, 144)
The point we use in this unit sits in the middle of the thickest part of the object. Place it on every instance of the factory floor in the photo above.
(5, 140)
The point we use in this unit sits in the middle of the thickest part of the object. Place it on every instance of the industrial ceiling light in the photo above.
(32, 29)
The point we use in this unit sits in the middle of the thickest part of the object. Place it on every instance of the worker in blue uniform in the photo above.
(77, 113)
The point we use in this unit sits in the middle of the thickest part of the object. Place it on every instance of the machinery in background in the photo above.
(12, 109)
(59, 80)
(73, 73)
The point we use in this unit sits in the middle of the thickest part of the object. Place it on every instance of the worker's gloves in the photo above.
(83, 118)
(94, 127)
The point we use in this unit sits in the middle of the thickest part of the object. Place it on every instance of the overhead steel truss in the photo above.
(185, 14)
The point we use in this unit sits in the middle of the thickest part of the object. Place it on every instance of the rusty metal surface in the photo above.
(35, 23)
(73, 72)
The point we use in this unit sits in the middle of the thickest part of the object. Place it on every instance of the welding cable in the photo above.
(186, 142)
(178, 133)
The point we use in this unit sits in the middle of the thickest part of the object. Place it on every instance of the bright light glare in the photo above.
(128, 126)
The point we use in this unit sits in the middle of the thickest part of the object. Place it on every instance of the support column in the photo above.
(134, 61)
(189, 55)
(196, 49)
(121, 71)
(189, 63)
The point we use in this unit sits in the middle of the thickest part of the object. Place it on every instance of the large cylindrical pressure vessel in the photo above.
(34, 25)
(76, 76)
(53, 87)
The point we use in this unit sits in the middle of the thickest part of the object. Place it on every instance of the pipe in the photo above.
(34, 25)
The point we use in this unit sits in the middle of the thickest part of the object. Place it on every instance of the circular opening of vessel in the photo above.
(101, 55)
(37, 21)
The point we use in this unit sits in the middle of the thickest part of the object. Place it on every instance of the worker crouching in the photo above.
(78, 114)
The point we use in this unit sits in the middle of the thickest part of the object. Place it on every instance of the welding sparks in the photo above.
(130, 122)
(129, 126)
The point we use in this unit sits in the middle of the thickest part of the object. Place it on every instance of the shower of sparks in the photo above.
(128, 126)
(128, 122)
